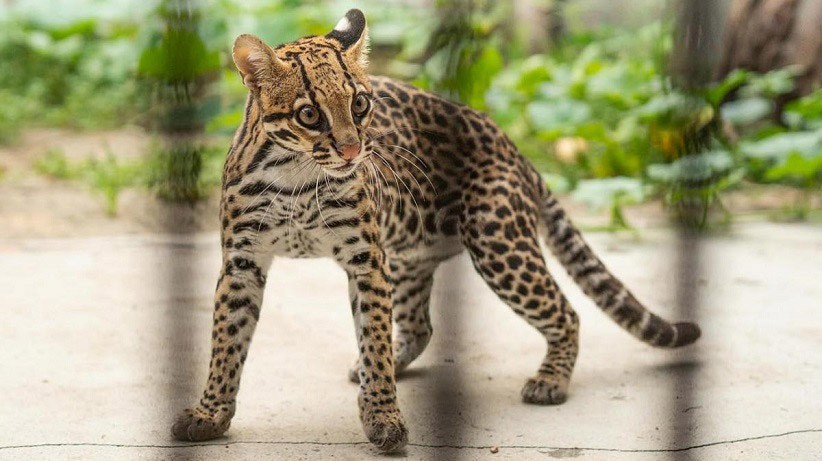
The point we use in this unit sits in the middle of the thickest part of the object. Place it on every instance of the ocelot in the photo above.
(389, 181)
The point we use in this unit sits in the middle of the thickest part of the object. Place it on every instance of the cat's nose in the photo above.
(348, 151)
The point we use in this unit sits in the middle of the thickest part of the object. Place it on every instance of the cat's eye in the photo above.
(309, 116)
(360, 105)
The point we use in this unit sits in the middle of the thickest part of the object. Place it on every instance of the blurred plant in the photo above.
(183, 175)
(806, 173)
(695, 182)
(75, 74)
(171, 175)
(613, 194)
(805, 113)
(793, 158)
(596, 96)
(54, 164)
(107, 176)
(177, 67)
(462, 56)
(597, 105)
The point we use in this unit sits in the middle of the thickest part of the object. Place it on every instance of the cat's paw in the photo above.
(387, 434)
(195, 425)
(545, 390)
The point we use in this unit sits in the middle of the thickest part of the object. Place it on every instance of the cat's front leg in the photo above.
(237, 303)
(371, 302)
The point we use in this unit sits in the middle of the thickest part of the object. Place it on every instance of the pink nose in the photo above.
(349, 151)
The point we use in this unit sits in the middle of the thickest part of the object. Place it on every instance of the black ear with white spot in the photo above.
(352, 33)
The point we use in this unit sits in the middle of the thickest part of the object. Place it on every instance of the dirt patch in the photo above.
(17, 160)
(32, 205)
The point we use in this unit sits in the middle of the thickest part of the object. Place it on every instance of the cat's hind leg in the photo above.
(501, 238)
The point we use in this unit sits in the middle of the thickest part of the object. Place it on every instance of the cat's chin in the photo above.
(343, 171)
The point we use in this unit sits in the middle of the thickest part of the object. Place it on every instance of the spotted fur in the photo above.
(388, 194)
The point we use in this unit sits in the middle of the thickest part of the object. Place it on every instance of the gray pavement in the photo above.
(89, 358)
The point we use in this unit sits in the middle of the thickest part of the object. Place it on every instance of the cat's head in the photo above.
(314, 94)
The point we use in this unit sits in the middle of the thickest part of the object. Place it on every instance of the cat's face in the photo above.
(314, 94)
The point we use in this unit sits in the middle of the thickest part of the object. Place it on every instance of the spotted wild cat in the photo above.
(389, 181)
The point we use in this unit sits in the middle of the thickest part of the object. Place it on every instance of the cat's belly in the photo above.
(296, 243)
(426, 251)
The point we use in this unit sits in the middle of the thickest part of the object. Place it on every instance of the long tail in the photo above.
(606, 290)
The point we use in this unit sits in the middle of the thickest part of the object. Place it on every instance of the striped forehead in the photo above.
(327, 73)
(323, 65)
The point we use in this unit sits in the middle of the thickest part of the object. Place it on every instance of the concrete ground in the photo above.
(102, 340)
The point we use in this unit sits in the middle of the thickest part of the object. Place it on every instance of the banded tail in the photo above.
(606, 290)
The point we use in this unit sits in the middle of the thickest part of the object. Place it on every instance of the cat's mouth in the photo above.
(343, 170)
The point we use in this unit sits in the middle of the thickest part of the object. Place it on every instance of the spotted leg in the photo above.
(504, 249)
(236, 311)
(412, 294)
(370, 295)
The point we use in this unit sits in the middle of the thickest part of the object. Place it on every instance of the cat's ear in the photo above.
(255, 60)
(352, 33)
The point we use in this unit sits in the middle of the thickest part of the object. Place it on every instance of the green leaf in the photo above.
(181, 56)
(746, 111)
(772, 84)
(557, 183)
(532, 72)
(796, 166)
(716, 94)
(777, 147)
(602, 193)
(478, 77)
(693, 168)
(805, 111)
(557, 115)
(672, 109)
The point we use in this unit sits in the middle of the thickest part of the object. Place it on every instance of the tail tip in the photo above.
(686, 333)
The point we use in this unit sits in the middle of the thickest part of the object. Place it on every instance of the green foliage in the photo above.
(109, 176)
(747, 111)
(797, 168)
(804, 172)
(775, 149)
(169, 173)
(75, 75)
(180, 56)
(601, 93)
(716, 93)
(173, 173)
(694, 183)
(613, 194)
(806, 112)
(771, 84)
(55, 165)
(694, 169)
(463, 50)
(596, 114)
(183, 173)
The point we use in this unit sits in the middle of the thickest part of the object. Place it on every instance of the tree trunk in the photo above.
(764, 35)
